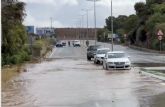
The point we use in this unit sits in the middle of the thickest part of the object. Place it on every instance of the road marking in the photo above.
(97, 104)
(52, 53)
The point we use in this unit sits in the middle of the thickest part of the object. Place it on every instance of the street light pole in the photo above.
(82, 26)
(112, 24)
(95, 20)
(87, 11)
(95, 34)
(51, 22)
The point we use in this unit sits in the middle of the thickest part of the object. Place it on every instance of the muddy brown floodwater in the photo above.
(75, 82)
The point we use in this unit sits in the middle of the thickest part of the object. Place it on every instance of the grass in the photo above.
(9, 72)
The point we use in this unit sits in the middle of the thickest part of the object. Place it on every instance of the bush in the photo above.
(5, 59)
(160, 26)
(24, 56)
(16, 59)
(156, 45)
(38, 44)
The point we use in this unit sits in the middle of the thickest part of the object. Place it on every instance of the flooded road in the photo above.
(69, 80)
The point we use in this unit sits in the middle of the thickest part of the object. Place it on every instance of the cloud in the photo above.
(68, 2)
(64, 11)
(52, 2)
(30, 20)
(45, 2)
(118, 2)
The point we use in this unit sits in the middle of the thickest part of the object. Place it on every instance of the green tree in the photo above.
(131, 23)
(108, 24)
(150, 2)
(140, 8)
(159, 8)
(153, 20)
(14, 35)
(118, 22)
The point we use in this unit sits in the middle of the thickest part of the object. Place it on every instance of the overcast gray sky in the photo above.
(67, 13)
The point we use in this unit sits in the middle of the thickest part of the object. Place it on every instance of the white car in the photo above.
(116, 60)
(76, 43)
(100, 54)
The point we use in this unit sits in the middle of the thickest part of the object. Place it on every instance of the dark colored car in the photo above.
(91, 51)
(59, 44)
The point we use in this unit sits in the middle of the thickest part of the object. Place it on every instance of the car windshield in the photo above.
(77, 41)
(102, 51)
(94, 47)
(116, 55)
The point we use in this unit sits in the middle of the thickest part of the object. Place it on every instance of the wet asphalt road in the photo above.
(138, 56)
(69, 80)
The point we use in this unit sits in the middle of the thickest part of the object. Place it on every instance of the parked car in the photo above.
(76, 43)
(116, 60)
(59, 44)
(63, 43)
(91, 51)
(100, 54)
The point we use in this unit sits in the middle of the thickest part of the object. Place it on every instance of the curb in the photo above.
(152, 75)
(145, 49)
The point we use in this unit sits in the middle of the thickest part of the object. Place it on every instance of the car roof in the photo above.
(103, 49)
(116, 52)
(94, 45)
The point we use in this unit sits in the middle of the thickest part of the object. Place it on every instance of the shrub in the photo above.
(16, 59)
(156, 45)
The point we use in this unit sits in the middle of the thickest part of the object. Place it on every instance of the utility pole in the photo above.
(82, 28)
(87, 27)
(51, 22)
(51, 29)
(86, 10)
(95, 21)
(112, 24)
(95, 31)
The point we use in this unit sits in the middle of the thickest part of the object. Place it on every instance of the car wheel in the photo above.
(106, 67)
(103, 66)
(97, 62)
(88, 58)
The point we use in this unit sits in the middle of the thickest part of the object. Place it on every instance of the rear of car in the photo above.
(76, 43)
(63, 43)
(116, 60)
(91, 51)
(59, 44)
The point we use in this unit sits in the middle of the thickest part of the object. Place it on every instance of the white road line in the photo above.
(97, 104)
(52, 53)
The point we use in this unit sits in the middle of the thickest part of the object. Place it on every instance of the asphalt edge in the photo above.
(142, 71)
(145, 49)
